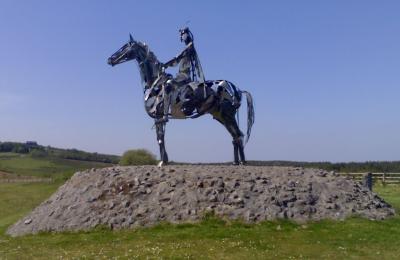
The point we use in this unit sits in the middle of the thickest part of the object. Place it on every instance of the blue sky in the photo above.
(325, 76)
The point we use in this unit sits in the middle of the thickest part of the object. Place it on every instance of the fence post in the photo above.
(367, 180)
(383, 178)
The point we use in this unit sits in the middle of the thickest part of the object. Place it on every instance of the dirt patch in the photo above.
(126, 197)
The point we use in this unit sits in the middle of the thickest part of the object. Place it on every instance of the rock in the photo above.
(126, 203)
(112, 205)
(91, 199)
(213, 198)
(122, 197)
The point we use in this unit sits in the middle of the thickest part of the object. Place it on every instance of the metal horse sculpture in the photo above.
(220, 98)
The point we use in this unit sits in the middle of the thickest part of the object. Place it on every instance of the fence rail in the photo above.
(25, 180)
(384, 177)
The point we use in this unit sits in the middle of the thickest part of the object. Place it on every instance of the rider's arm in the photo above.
(173, 62)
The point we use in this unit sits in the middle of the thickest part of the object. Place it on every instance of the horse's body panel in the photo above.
(193, 93)
(220, 98)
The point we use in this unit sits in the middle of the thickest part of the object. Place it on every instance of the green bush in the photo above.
(138, 157)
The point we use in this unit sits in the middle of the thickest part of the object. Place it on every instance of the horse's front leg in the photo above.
(160, 130)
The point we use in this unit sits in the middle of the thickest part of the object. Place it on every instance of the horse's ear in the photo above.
(131, 38)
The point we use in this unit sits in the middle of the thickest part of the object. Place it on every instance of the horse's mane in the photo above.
(150, 55)
(151, 65)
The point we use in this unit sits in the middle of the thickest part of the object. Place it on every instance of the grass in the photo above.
(212, 238)
(25, 165)
(17, 199)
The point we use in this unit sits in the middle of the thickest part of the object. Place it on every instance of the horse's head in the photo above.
(129, 51)
(149, 65)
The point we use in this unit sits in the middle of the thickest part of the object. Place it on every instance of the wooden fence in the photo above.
(25, 180)
(383, 177)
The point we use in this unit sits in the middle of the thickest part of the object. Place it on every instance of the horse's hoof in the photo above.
(162, 163)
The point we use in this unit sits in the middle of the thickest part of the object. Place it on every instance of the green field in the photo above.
(351, 239)
(55, 168)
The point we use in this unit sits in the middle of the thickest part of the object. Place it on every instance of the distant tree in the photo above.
(6, 147)
(369, 166)
(20, 148)
(138, 157)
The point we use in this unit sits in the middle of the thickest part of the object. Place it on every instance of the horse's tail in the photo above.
(250, 113)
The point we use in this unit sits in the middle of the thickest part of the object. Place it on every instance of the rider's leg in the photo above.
(169, 86)
(180, 83)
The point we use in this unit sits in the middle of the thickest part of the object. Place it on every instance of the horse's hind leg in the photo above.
(238, 149)
(227, 118)
(235, 146)
(160, 130)
(238, 146)
(241, 151)
(235, 153)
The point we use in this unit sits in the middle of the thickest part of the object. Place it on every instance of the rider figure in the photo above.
(189, 69)
(189, 64)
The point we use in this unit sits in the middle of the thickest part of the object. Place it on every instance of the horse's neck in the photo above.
(148, 68)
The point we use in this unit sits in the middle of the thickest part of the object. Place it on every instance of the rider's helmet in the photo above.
(186, 35)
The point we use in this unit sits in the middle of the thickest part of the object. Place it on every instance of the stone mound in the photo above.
(125, 197)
